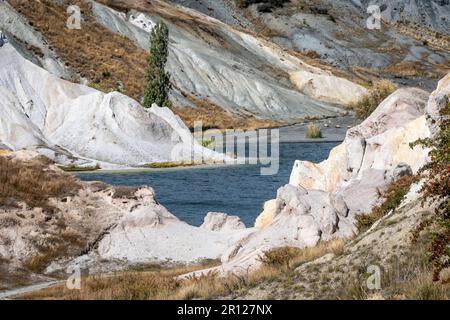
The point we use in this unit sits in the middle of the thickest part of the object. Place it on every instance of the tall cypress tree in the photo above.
(158, 80)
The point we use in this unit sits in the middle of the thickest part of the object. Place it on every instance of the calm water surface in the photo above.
(239, 190)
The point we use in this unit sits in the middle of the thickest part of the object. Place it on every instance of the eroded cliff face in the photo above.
(321, 200)
(412, 46)
(76, 124)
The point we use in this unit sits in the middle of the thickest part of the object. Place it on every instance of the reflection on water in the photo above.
(237, 190)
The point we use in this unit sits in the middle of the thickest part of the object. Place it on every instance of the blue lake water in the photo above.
(238, 190)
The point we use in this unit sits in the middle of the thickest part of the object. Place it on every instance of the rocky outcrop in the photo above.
(327, 87)
(150, 234)
(99, 227)
(321, 200)
(72, 123)
(217, 221)
(387, 244)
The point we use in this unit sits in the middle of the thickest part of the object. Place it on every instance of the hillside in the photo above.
(411, 48)
(80, 126)
(222, 75)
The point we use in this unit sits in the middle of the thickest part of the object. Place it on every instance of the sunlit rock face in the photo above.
(74, 123)
(321, 200)
(218, 221)
(378, 144)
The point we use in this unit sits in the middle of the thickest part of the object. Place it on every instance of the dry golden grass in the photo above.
(94, 52)
(164, 284)
(28, 182)
(313, 131)
(379, 91)
(405, 278)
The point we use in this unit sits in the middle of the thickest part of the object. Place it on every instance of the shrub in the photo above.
(267, 3)
(393, 195)
(280, 257)
(206, 143)
(313, 132)
(437, 189)
(370, 101)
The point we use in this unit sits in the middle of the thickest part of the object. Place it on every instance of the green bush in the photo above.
(437, 189)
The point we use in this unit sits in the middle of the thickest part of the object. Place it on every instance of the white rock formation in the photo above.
(217, 221)
(119, 225)
(152, 234)
(325, 87)
(321, 200)
(67, 121)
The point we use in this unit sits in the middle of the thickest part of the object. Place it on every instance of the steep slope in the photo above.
(394, 247)
(412, 46)
(75, 123)
(234, 78)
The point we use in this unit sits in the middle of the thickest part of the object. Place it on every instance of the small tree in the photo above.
(158, 80)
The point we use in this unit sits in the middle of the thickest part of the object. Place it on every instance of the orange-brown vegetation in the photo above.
(93, 52)
(28, 182)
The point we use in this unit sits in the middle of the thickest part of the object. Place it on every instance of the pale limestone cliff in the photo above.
(72, 123)
(321, 200)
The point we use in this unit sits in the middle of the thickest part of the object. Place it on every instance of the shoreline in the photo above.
(195, 166)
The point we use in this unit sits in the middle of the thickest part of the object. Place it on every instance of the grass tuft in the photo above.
(313, 132)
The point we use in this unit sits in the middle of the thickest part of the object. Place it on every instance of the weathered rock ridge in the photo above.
(321, 200)
(100, 227)
(73, 123)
